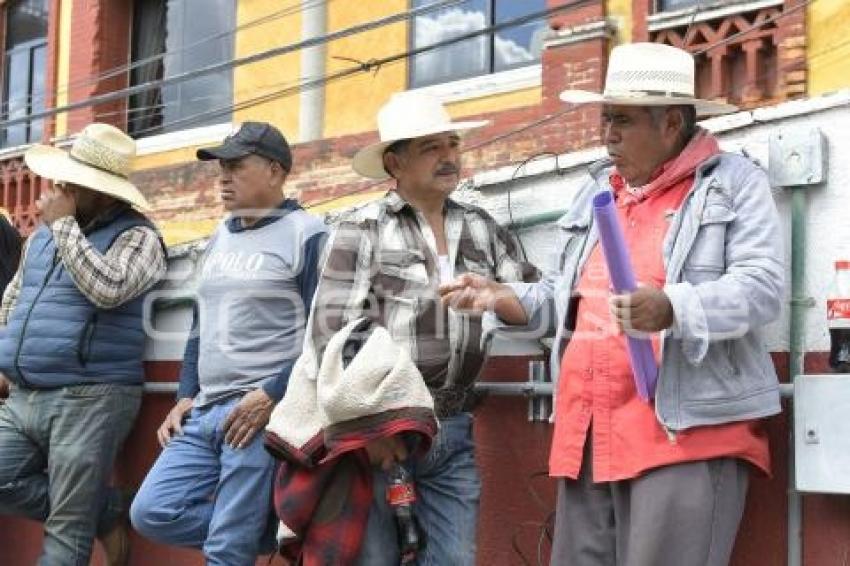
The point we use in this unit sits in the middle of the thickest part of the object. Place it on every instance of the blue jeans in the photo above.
(202, 493)
(57, 448)
(448, 490)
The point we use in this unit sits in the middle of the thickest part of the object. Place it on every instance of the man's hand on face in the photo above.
(55, 203)
(173, 423)
(247, 418)
(384, 452)
(646, 310)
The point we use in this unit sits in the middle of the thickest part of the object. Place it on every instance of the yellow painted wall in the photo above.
(269, 75)
(621, 12)
(496, 102)
(63, 65)
(352, 103)
(346, 115)
(256, 79)
(167, 158)
(828, 46)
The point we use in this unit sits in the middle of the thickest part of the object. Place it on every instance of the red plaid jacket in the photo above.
(323, 490)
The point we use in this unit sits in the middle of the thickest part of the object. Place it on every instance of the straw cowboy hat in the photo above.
(649, 74)
(407, 115)
(99, 160)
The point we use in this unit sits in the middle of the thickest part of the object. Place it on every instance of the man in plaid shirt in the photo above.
(71, 344)
(387, 263)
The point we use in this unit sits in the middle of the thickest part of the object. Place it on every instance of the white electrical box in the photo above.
(797, 157)
(822, 433)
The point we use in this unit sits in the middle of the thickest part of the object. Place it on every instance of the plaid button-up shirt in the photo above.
(382, 263)
(134, 262)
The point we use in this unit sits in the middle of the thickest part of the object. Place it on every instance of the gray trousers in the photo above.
(679, 515)
(57, 448)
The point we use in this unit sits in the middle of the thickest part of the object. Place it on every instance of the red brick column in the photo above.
(100, 31)
(791, 48)
(641, 9)
(576, 57)
(51, 69)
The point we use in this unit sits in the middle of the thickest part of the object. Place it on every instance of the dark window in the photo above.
(175, 37)
(23, 70)
(671, 5)
(488, 53)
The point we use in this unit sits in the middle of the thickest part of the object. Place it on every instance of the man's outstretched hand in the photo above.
(476, 294)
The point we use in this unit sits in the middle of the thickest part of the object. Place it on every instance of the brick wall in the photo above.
(762, 66)
(100, 31)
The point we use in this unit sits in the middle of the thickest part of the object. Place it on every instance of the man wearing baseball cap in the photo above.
(662, 480)
(211, 487)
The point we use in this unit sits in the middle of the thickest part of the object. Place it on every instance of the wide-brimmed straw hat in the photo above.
(649, 74)
(407, 115)
(100, 159)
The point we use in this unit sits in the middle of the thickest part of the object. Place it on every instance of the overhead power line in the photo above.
(119, 70)
(218, 67)
(372, 64)
(565, 111)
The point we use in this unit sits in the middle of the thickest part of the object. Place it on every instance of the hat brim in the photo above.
(704, 108)
(54, 164)
(369, 161)
(223, 151)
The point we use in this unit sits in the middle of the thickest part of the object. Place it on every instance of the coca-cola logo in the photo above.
(400, 494)
(837, 308)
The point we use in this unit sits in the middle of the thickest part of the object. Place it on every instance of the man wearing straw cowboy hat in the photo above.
(72, 346)
(658, 482)
(386, 263)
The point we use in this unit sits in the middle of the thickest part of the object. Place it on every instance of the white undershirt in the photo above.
(446, 271)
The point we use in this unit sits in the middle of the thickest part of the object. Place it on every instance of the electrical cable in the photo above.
(759, 25)
(236, 62)
(123, 68)
(828, 51)
(364, 67)
(691, 23)
(522, 164)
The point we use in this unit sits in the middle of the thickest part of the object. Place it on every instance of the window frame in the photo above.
(163, 128)
(491, 53)
(29, 47)
(657, 9)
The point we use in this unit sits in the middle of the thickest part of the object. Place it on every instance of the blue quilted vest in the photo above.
(56, 337)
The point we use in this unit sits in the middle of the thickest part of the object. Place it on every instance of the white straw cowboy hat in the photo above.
(649, 74)
(407, 115)
(100, 160)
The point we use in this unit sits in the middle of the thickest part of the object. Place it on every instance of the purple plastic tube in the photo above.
(622, 275)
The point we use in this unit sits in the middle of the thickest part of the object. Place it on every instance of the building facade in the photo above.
(178, 74)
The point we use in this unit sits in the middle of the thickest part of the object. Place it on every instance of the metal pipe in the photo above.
(522, 388)
(533, 220)
(160, 387)
(799, 302)
(314, 24)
